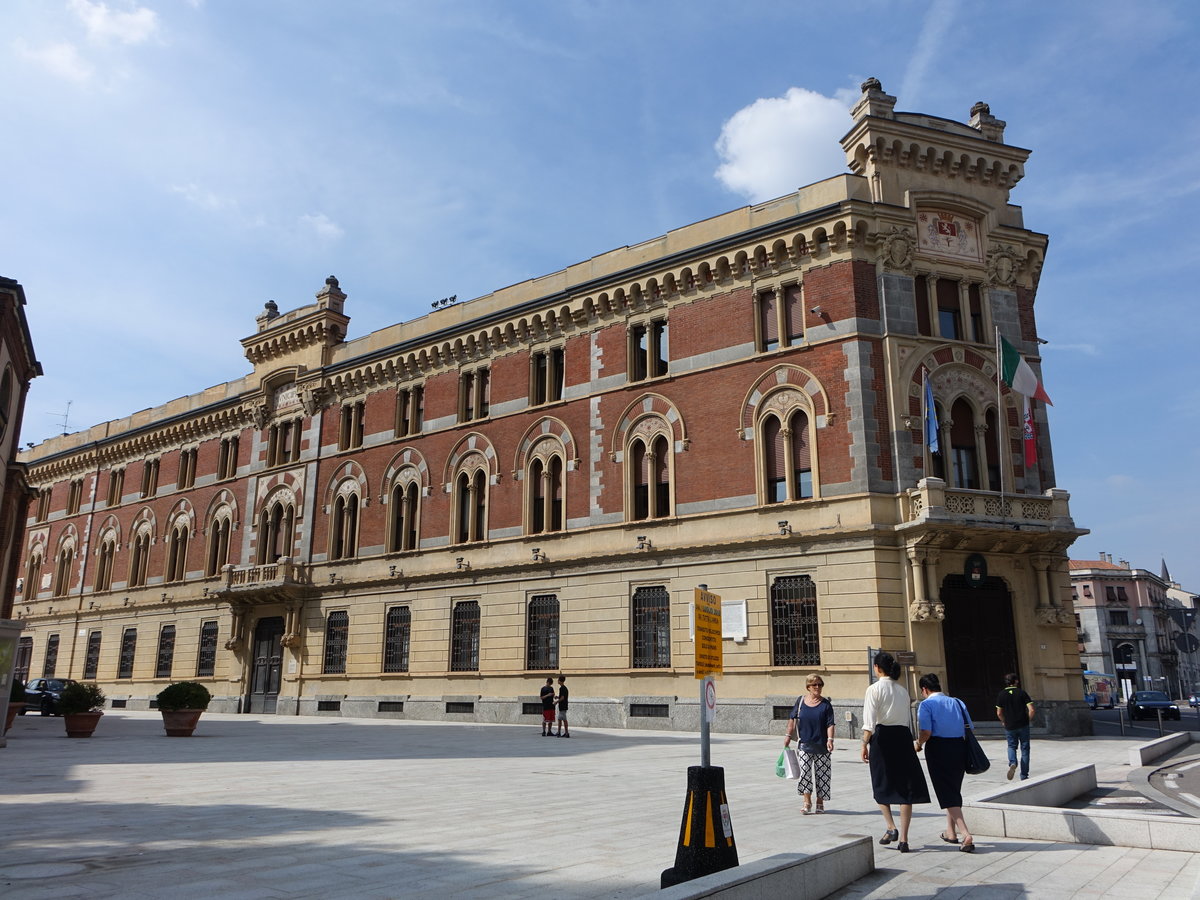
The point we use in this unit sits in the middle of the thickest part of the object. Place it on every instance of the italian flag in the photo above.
(1018, 374)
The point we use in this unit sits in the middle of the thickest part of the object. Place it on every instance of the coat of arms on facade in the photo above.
(895, 249)
(948, 234)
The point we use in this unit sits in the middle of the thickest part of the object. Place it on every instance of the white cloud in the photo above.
(60, 59)
(104, 24)
(201, 196)
(778, 144)
(323, 226)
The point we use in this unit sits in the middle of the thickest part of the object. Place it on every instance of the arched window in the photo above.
(6, 399)
(33, 576)
(139, 557)
(276, 530)
(62, 570)
(106, 561)
(216, 556)
(470, 504)
(404, 521)
(963, 456)
(649, 475)
(786, 457)
(177, 552)
(545, 492)
(992, 451)
(343, 543)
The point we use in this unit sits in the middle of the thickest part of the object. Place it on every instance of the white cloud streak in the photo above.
(104, 24)
(61, 60)
(778, 144)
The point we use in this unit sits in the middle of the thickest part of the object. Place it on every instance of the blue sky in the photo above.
(172, 166)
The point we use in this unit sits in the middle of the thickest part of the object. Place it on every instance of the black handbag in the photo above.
(977, 761)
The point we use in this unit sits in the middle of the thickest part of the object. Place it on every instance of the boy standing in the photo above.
(547, 695)
(564, 730)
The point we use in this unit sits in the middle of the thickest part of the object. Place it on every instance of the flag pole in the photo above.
(1001, 422)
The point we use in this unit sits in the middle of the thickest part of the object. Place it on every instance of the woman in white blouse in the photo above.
(896, 775)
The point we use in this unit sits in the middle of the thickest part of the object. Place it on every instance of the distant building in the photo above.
(18, 367)
(427, 520)
(1132, 624)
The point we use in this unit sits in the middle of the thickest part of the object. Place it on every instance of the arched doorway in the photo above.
(980, 642)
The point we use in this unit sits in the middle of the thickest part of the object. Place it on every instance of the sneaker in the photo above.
(1012, 770)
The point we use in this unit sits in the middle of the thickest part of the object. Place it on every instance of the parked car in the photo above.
(1146, 704)
(42, 694)
(1194, 700)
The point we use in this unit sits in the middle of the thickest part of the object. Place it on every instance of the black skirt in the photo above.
(896, 774)
(947, 762)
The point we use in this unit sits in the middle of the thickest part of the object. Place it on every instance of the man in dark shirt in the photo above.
(564, 730)
(547, 695)
(1014, 709)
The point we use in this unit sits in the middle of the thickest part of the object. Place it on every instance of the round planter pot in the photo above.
(81, 725)
(14, 710)
(180, 722)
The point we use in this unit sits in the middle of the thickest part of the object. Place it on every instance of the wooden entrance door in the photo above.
(268, 662)
(981, 643)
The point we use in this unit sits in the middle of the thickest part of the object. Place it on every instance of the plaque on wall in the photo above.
(975, 570)
(948, 234)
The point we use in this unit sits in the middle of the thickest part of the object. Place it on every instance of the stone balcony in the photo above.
(284, 580)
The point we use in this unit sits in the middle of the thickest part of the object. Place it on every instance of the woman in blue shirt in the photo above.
(811, 724)
(943, 722)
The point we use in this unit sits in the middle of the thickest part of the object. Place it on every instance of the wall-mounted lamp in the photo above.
(817, 311)
(643, 543)
(1041, 340)
(538, 555)
(784, 527)
(461, 563)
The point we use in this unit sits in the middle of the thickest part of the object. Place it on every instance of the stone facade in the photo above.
(428, 520)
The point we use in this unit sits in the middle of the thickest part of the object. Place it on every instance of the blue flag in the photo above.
(931, 422)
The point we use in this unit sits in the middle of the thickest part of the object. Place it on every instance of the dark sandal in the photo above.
(889, 836)
(948, 840)
(968, 847)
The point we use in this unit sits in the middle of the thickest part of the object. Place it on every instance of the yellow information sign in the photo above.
(708, 634)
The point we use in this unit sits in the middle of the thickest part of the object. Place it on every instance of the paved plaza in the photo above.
(308, 807)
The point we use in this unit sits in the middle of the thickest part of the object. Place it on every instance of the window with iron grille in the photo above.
(166, 652)
(128, 648)
(329, 705)
(459, 706)
(794, 637)
(206, 659)
(395, 639)
(390, 706)
(651, 610)
(51, 661)
(337, 634)
(649, 711)
(543, 632)
(464, 637)
(91, 660)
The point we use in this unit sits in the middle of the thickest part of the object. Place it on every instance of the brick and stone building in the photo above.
(427, 520)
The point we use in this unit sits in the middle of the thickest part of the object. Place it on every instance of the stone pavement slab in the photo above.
(307, 807)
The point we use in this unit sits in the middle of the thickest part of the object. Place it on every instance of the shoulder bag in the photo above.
(977, 761)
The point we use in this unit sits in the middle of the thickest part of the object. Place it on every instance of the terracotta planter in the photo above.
(81, 725)
(14, 710)
(180, 722)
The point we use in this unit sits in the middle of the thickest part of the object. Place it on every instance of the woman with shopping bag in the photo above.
(811, 726)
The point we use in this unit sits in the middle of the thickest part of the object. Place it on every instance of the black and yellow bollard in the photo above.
(706, 842)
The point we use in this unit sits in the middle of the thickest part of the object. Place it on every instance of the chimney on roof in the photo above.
(1102, 555)
(1124, 564)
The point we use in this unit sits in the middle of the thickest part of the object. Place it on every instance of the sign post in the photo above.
(706, 842)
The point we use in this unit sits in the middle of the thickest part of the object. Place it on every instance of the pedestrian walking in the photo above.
(811, 724)
(887, 746)
(1014, 709)
(941, 728)
(564, 730)
(547, 695)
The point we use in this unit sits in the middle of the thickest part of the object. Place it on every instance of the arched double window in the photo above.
(404, 507)
(107, 556)
(62, 569)
(216, 555)
(33, 575)
(276, 528)
(343, 525)
(649, 471)
(787, 457)
(177, 545)
(544, 498)
(970, 450)
(471, 500)
(139, 556)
